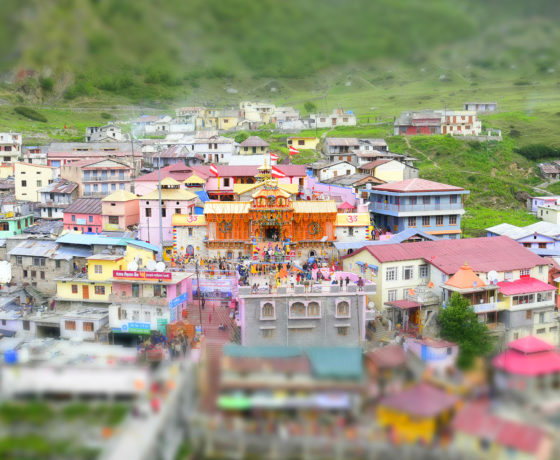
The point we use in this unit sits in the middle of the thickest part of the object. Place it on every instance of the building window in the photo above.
(342, 330)
(425, 221)
(267, 310)
(508, 275)
(190, 231)
(24, 183)
(19, 260)
(523, 299)
(541, 318)
(391, 274)
(74, 289)
(411, 222)
(439, 220)
(391, 295)
(39, 261)
(163, 212)
(300, 142)
(267, 333)
(313, 310)
(423, 271)
(528, 314)
(26, 325)
(114, 220)
(297, 310)
(452, 220)
(177, 210)
(148, 212)
(33, 273)
(57, 263)
(135, 290)
(343, 310)
(542, 245)
(87, 326)
(39, 183)
(541, 331)
(525, 272)
(226, 181)
(70, 325)
(73, 218)
(426, 199)
(98, 269)
(453, 199)
(100, 290)
(42, 275)
(541, 269)
(544, 296)
(408, 272)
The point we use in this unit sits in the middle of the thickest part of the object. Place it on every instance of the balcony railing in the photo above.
(157, 301)
(419, 207)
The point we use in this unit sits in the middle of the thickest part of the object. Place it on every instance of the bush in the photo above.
(46, 84)
(78, 89)
(30, 113)
(106, 116)
(241, 137)
(538, 151)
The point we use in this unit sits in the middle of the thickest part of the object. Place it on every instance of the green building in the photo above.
(11, 225)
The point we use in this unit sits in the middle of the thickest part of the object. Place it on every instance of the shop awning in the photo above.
(235, 402)
(403, 304)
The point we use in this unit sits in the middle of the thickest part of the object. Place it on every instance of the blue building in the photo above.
(421, 204)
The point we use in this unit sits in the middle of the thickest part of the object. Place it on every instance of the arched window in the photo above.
(267, 310)
(313, 309)
(343, 309)
(297, 310)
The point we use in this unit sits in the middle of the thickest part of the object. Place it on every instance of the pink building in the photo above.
(119, 211)
(145, 301)
(174, 201)
(83, 215)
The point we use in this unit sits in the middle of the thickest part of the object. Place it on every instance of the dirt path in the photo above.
(426, 157)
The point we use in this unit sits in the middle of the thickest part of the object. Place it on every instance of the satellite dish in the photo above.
(132, 266)
(160, 266)
(371, 305)
(151, 265)
(493, 276)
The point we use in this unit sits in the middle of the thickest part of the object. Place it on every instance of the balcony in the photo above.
(156, 301)
(53, 204)
(486, 307)
(419, 207)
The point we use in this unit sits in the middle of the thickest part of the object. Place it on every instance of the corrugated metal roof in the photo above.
(254, 141)
(34, 248)
(515, 233)
(84, 206)
(498, 253)
(343, 141)
(90, 240)
(524, 286)
(417, 185)
(120, 195)
(60, 186)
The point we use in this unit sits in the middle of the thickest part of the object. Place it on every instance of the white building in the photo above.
(351, 227)
(337, 118)
(258, 112)
(83, 324)
(324, 171)
(460, 123)
(210, 146)
(10, 147)
(108, 133)
(481, 107)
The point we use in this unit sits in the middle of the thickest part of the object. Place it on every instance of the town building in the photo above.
(174, 200)
(56, 197)
(257, 112)
(352, 226)
(284, 114)
(108, 133)
(389, 170)
(549, 213)
(14, 224)
(146, 301)
(481, 107)
(534, 202)
(303, 143)
(411, 281)
(179, 172)
(461, 123)
(62, 153)
(176, 154)
(98, 178)
(433, 207)
(83, 324)
(218, 119)
(325, 170)
(337, 118)
(119, 211)
(373, 144)
(30, 178)
(356, 182)
(550, 171)
(341, 148)
(424, 122)
(83, 215)
(35, 154)
(10, 147)
(254, 145)
(542, 238)
(303, 319)
(189, 234)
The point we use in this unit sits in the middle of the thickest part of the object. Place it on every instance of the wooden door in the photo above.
(85, 292)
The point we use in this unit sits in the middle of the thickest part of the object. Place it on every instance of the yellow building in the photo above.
(29, 178)
(416, 414)
(6, 170)
(101, 266)
(81, 290)
(305, 143)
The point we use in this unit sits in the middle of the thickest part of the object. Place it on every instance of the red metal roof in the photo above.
(498, 253)
(524, 286)
(403, 304)
(476, 420)
(528, 357)
(177, 171)
(388, 356)
(530, 344)
(417, 185)
(422, 400)
(374, 164)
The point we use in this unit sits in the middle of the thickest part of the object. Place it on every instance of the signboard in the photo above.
(179, 300)
(111, 227)
(135, 275)
(81, 221)
(134, 328)
(215, 289)
(161, 325)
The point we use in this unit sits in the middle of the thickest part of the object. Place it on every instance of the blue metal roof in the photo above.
(203, 196)
(92, 239)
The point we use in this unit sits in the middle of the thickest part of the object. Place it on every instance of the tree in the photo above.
(241, 137)
(459, 323)
(310, 107)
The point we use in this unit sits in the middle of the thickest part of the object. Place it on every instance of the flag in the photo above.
(293, 150)
(274, 157)
(277, 173)
(214, 170)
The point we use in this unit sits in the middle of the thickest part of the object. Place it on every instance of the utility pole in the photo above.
(160, 204)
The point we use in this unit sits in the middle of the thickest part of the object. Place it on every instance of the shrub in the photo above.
(46, 84)
(106, 116)
(538, 151)
(28, 112)
(241, 137)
